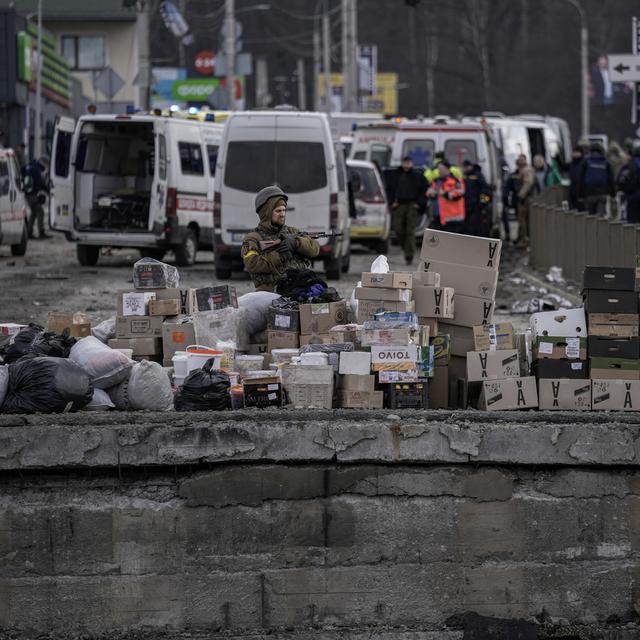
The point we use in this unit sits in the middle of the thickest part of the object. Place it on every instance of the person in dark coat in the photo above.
(596, 183)
(477, 196)
(575, 168)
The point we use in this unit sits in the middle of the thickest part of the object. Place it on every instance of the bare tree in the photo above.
(477, 20)
(431, 63)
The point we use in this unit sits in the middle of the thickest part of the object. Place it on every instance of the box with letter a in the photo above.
(615, 395)
(492, 365)
(514, 393)
(561, 394)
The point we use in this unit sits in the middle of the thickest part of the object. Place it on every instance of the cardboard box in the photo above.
(432, 324)
(360, 399)
(135, 303)
(79, 326)
(466, 281)
(284, 320)
(394, 357)
(282, 340)
(139, 327)
(262, 392)
(177, 336)
(164, 307)
(600, 347)
(616, 278)
(380, 294)
(308, 386)
(553, 369)
(461, 339)
(186, 297)
(618, 302)
(614, 369)
(515, 393)
(218, 297)
(391, 280)
(426, 361)
(400, 335)
(434, 302)
(439, 388)
(613, 330)
(321, 338)
(493, 337)
(352, 382)
(441, 349)
(391, 377)
(355, 362)
(614, 319)
(563, 323)
(471, 312)
(319, 318)
(492, 365)
(139, 346)
(564, 395)
(458, 386)
(424, 277)
(615, 395)
(473, 251)
(523, 344)
(559, 347)
(367, 309)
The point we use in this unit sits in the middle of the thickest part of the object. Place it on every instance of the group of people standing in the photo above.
(457, 200)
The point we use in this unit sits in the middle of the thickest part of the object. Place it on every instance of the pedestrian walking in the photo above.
(447, 192)
(575, 169)
(35, 188)
(520, 188)
(477, 198)
(406, 188)
(267, 261)
(596, 183)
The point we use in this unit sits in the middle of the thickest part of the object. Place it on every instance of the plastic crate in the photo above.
(407, 395)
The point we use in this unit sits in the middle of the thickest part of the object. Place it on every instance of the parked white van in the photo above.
(142, 181)
(14, 211)
(296, 151)
(373, 142)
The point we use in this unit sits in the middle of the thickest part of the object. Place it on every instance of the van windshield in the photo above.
(420, 151)
(457, 151)
(364, 183)
(296, 167)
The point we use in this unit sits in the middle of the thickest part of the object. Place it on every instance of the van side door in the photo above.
(61, 196)
(159, 191)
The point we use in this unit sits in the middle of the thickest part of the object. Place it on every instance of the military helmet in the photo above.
(268, 193)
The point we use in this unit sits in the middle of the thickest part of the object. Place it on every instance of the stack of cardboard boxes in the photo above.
(384, 293)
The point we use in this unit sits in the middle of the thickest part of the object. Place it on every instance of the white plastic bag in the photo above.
(256, 309)
(149, 387)
(353, 302)
(380, 265)
(153, 274)
(219, 325)
(4, 382)
(105, 367)
(100, 401)
(105, 330)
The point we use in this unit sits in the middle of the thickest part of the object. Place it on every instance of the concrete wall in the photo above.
(405, 526)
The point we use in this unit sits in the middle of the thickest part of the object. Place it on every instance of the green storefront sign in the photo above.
(195, 90)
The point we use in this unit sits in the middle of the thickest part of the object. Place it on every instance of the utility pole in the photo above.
(142, 29)
(350, 55)
(230, 51)
(584, 66)
(302, 97)
(317, 65)
(326, 45)
(37, 135)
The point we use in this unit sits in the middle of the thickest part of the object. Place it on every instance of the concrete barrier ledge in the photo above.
(86, 440)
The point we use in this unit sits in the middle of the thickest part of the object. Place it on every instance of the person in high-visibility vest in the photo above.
(432, 173)
(448, 193)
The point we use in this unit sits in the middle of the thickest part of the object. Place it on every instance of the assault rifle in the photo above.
(269, 244)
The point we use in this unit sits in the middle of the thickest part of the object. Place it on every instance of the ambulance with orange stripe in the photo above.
(13, 205)
(142, 181)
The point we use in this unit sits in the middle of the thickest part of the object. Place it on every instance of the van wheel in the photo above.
(156, 254)
(87, 254)
(21, 248)
(346, 262)
(187, 251)
(332, 269)
(382, 246)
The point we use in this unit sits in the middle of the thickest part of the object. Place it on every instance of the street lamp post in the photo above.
(584, 66)
(230, 51)
(37, 142)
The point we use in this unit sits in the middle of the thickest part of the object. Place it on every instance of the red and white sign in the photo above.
(205, 63)
(194, 203)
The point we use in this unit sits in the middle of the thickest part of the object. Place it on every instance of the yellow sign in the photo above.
(385, 100)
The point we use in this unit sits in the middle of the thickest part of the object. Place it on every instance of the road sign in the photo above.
(205, 63)
(624, 68)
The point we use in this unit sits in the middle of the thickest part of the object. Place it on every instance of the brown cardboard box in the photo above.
(514, 393)
(614, 318)
(426, 278)
(367, 309)
(560, 394)
(139, 327)
(400, 335)
(615, 395)
(164, 307)
(472, 311)
(613, 330)
(176, 336)
(474, 282)
(559, 347)
(351, 382)
(186, 297)
(282, 340)
(394, 357)
(492, 365)
(321, 338)
(458, 386)
(319, 318)
(461, 339)
(283, 319)
(78, 324)
(308, 386)
(391, 280)
(378, 293)
(472, 251)
(217, 297)
(493, 337)
(432, 323)
(140, 346)
(439, 388)
(434, 302)
(134, 303)
(360, 399)
(355, 363)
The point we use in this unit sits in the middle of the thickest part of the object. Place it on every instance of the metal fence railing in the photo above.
(573, 239)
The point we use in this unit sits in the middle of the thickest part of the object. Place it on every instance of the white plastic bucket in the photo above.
(197, 356)
(180, 363)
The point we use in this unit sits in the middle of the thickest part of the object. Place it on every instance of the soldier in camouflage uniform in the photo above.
(267, 266)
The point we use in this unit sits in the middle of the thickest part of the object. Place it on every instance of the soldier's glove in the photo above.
(291, 242)
(284, 250)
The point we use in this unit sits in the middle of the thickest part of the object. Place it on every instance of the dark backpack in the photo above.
(628, 180)
(596, 173)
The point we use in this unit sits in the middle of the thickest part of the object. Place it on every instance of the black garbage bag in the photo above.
(35, 340)
(300, 284)
(46, 385)
(204, 390)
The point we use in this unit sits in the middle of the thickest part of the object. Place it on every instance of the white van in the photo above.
(14, 211)
(296, 151)
(373, 143)
(140, 181)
